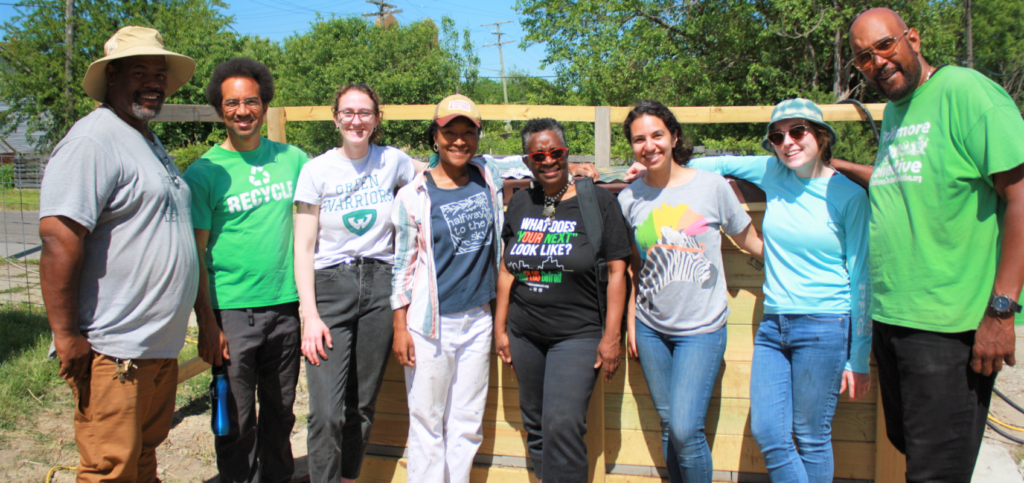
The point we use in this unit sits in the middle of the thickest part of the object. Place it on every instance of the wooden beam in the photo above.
(187, 113)
(499, 112)
(595, 433)
(277, 119)
(191, 368)
(890, 464)
(602, 137)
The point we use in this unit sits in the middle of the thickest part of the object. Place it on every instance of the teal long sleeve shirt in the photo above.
(815, 244)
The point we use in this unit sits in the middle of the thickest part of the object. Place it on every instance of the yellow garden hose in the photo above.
(49, 474)
(993, 418)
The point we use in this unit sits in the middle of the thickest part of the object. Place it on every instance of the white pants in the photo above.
(447, 392)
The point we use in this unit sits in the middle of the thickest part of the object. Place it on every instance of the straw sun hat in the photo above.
(131, 42)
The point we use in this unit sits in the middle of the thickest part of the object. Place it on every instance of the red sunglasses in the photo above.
(540, 156)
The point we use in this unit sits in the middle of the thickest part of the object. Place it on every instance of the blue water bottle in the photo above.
(219, 390)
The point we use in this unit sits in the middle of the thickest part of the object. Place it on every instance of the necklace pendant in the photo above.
(549, 211)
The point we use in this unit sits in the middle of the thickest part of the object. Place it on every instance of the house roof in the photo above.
(17, 140)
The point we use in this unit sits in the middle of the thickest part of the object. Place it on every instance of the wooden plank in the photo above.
(596, 433)
(187, 113)
(602, 137)
(891, 465)
(742, 270)
(383, 469)
(191, 368)
(852, 422)
(732, 453)
(500, 112)
(276, 124)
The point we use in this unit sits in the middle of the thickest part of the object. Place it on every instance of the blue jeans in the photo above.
(681, 373)
(794, 386)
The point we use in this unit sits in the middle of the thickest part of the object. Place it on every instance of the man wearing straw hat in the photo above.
(119, 268)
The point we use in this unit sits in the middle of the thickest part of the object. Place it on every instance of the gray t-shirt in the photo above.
(678, 233)
(140, 271)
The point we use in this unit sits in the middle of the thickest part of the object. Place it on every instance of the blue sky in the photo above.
(277, 19)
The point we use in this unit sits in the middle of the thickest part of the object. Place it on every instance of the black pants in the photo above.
(263, 343)
(353, 300)
(556, 380)
(935, 405)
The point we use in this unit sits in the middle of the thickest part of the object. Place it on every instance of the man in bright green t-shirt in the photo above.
(247, 306)
(947, 245)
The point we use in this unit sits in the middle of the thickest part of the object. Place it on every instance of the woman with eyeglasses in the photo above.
(677, 325)
(549, 324)
(816, 283)
(447, 250)
(344, 255)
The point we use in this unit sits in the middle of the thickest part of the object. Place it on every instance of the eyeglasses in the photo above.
(252, 103)
(796, 133)
(884, 48)
(540, 156)
(348, 115)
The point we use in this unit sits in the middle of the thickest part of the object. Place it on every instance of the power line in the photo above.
(501, 57)
(385, 9)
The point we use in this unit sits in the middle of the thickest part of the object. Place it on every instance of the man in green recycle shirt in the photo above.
(247, 307)
(947, 245)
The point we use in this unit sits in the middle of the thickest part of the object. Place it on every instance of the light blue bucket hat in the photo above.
(797, 108)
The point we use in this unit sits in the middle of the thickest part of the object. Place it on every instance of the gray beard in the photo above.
(143, 114)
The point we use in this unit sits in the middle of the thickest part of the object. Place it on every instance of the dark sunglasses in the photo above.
(796, 133)
(883, 48)
(540, 156)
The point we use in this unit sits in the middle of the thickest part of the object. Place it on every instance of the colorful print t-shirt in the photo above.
(555, 293)
(678, 233)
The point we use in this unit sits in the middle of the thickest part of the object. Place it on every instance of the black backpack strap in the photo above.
(593, 223)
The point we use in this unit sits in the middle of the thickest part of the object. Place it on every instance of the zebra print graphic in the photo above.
(676, 257)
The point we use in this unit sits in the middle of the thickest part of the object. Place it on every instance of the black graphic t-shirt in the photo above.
(555, 292)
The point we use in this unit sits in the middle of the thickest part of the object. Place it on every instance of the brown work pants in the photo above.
(118, 425)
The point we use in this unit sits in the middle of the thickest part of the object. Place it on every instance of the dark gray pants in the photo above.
(556, 379)
(264, 346)
(353, 300)
(935, 405)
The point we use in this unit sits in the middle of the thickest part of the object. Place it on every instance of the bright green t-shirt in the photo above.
(245, 200)
(934, 229)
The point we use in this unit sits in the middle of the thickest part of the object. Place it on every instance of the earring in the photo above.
(436, 149)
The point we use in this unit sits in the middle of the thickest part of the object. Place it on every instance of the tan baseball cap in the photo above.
(454, 106)
(131, 42)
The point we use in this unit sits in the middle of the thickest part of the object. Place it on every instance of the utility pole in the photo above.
(69, 48)
(969, 34)
(497, 26)
(385, 9)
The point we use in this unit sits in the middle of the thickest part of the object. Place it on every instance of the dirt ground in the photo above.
(1011, 383)
(187, 454)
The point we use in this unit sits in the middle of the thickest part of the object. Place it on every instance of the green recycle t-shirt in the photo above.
(245, 200)
(935, 217)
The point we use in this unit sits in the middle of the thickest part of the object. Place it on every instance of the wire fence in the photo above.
(20, 177)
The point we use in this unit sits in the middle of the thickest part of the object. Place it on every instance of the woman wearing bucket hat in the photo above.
(816, 284)
(447, 248)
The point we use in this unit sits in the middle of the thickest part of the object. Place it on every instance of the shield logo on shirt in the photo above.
(360, 221)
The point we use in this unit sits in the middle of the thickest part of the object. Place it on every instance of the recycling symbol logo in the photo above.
(255, 179)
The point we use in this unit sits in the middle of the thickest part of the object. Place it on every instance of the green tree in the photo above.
(999, 44)
(409, 64)
(33, 54)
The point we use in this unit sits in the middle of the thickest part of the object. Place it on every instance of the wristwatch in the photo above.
(1003, 305)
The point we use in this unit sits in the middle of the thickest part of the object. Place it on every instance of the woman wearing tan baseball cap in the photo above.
(132, 42)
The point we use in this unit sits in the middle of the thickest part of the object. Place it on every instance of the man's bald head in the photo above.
(899, 74)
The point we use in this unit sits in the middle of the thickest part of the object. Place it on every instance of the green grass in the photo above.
(12, 199)
(28, 380)
(18, 289)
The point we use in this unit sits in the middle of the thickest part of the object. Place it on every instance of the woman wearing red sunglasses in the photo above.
(548, 323)
(816, 284)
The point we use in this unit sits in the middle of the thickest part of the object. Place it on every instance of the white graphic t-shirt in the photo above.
(355, 198)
